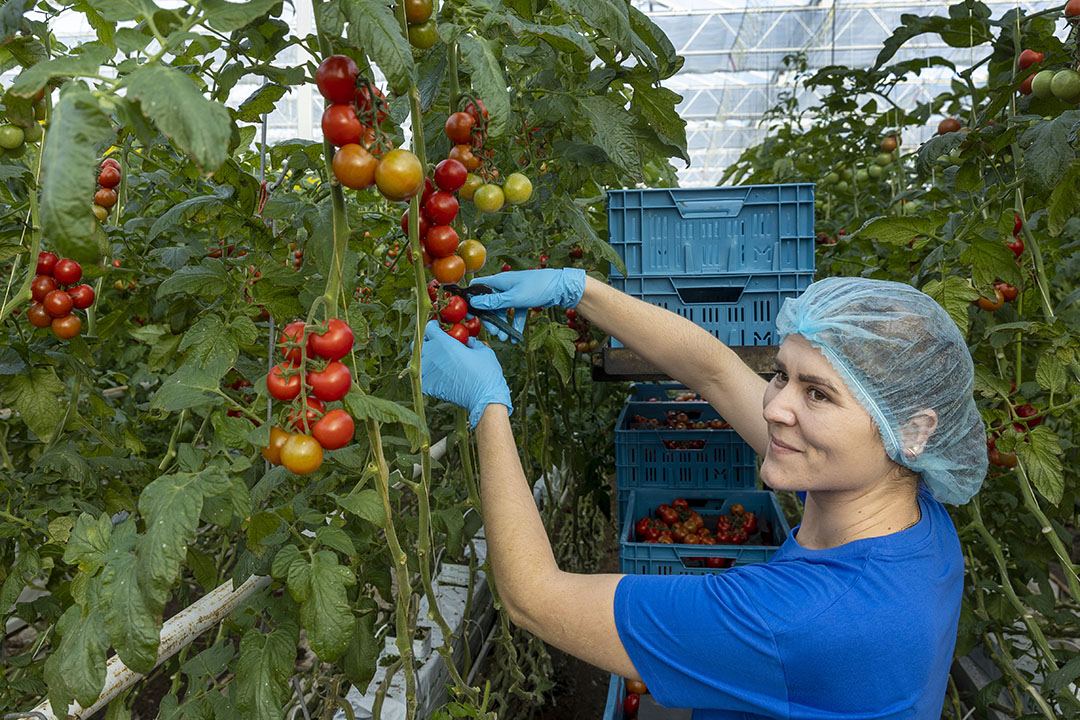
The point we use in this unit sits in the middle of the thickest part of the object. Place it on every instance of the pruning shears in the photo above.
(466, 293)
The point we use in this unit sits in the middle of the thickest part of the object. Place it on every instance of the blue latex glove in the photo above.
(469, 376)
(528, 289)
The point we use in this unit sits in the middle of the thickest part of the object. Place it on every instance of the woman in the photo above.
(869, 416)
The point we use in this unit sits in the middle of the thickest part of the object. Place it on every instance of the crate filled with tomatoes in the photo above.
(699, 531)
(662, 392)
(678, 445)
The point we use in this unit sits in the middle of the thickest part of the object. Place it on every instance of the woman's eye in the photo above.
(818, 395)
(780, 375)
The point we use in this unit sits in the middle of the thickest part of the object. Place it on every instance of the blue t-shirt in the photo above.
(863, 630)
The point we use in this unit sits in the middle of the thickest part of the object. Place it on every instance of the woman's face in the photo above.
(820, 437)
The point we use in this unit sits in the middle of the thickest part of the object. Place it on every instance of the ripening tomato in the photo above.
(335, 430)
(283, 381)
(105, 197)
(459, 128)
(1028, 58)
(291, 340)
(517, 188)
(472, 325)
(314, 411)
(301, 454)
(441, 240)
(340, 125)
(450, 175)
(948, 125)
(67, 272)
(449, 269)
(473, 253)
(423, 35)
(472, 184)
(99, 212)
(1009, 292)
(489, 198)
(354, 167)
(455, 309)
(332, 383)
(459, 332)
(58, 303)
(418, 11)
(992, 305)
(399, 175)
(471, 109)
(333, 344)
(46, 261)
(66, 327)
(42, 286)
(110, 162)
(109, 177)
(441, 208)
(423, 224)
(363, 106)
(464, 155)
(82, 296)
(636, 687)
(336, 78)
(38, 315)
(272, 451)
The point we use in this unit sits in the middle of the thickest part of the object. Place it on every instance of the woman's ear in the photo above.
(916, 432)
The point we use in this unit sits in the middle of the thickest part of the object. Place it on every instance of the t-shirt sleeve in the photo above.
(698, 641)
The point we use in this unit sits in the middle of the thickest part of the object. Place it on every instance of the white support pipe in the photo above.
(177, 633)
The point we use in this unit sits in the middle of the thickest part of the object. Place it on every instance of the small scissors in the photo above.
(466, 293)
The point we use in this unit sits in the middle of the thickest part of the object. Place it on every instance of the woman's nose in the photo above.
(778, 405)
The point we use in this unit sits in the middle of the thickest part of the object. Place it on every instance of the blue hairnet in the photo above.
(900, 353)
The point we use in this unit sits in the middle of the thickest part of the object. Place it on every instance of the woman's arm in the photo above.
(685, 352)
(575, 613)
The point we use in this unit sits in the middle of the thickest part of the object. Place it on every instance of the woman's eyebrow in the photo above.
(811, 379)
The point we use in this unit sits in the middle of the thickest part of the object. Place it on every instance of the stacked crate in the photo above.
(726, 259)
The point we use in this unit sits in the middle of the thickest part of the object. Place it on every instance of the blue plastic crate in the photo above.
(642, 460)
(654, 392)
(714, 230)
(642, 558)
(613, 707)
(736, 309)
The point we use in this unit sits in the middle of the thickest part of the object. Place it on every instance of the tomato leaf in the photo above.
(188, 387)
(562, 38)
(334, 537)
(77, 665)
(260, 102)
(488, 81)
(967, 29)
(990, 260)
(263, 669)
(369, 407)
(129, 615)
(89, 60)
(897, 230)
(68, 160)
(613, 132)
(1050, 373)
(1064, 200)
(228, 16)
(199, 127)
(326, 614)
(1047, 152)
(452, 522)
(575, 215)
(34, 397)
(372, 24)
(955, 295)
(214, 346)
(209, 205)
(653, 36)
(210, 663)
(11, 16)
(362, 656)
(1040, 459)
(205, 281)
(656, 106)
(608, 16)
(290, 567)
(365, 504)
(1062, 677)
(170, 506)
(88, 542)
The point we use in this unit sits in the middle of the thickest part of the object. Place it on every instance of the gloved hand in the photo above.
(528, 289)
(469, 376)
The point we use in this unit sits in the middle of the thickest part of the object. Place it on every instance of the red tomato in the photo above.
(630, 704)
(1009, 292)
(110, 162)
(459, 128)
(449, 269)
(363, 106)
(82, 296)
(315, 410)
(473, 326)
(450, 175)
(67, 272)
(335, 430)
(455, 310)
(471, 109)
(46, 261)
(332, 383)
(441, 208)
(1017, 246)
(992, 305)
(1018, 224)
(109, 177)
(42, 286)
(678, 503)
(333, 344)
(340, 125)
(301, 454)
(272, 452)
(441, 241)
(668, 514)
(292, 337)
(423, 224)
(1028, 58)
(283, 381)
(433, 290)
(58, 303)
(38, 315)
(459, 333)
(105, 197)
(336, 78)
(66, 327)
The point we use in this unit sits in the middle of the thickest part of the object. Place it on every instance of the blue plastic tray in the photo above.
(642, 558)
(708, 231)
(736, 309)
(640, 391)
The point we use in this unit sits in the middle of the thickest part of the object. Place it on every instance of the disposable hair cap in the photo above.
(900, 354)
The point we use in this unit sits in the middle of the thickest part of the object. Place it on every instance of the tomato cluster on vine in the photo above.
(56, 294)
(467, 130)
(678, 523)
(443, 251)
(453, 312)
(108, 179)
(421, 29)
(585, 342)
(310, 376)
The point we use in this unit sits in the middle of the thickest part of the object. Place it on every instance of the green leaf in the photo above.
(170, 506)
(574, 214)
(562, 38)
(119, 10)
(326, 614)
(226, 16)
(369, 407)
(88, 61)
(130, 617)
(366, 504)
(206, 206)
(260, 102)
(11, 16)
(77, 666)
(1062, 677)
(1040, 459)
(488, 81)
(656, 106)
(88, 542)
(362, 656)
(654, 38)
(205, 281)
(34, 397)
(212, 346)
(263, 669)
(610, 17)
(372, 25)
(1050, 373)
(290, 567)
(967, 30)
(69, 162)
(1047, 152)
(452, 522)
(169, 97)
(106, 30)
(613, 132)
(955, 295)
(1064, 200)
(989, 261)
(334, 537)
(188, 387)
(898, 230)
(210, 663)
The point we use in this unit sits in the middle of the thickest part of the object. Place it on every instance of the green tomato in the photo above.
(41, 109)
(842, 186)
(831, 178)
(11, 136)
(845, 174)
(875, 171)
(1065, 85)
(862, 176)
(423, 35)
(32, 133)
(489, 198)
(884, 159)
(517, 189)
(1040, 84)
